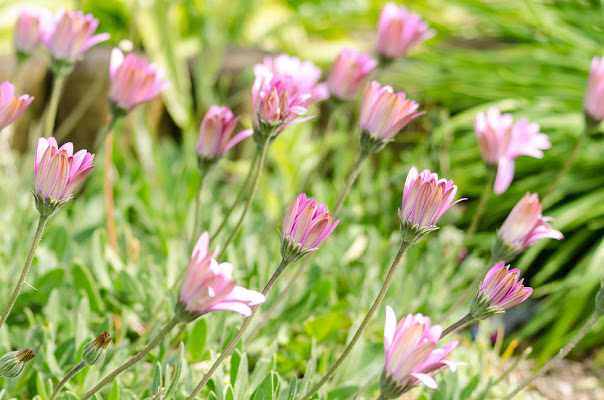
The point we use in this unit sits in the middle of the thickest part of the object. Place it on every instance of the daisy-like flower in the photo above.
(348, 73)
(524, 226)
(411, 355)
(305, 226)
(209, 286)
(383, 115)
(501, 142)
(28, 29)
(11, 106)
(499, 291)
(425, 199)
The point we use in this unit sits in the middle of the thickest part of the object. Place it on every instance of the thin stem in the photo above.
(196, 224)
(66, 379)
(241, 192)
(359, 332)
(561, 354)
(169, 326)
(352, 176)
(57, 88)
(235, 340)
(104, 131)
(108, 189)
(263, 150)
(381, 397)
(41, 225)
(482, 203)
(459, 324)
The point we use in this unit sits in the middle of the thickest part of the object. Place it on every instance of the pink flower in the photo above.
(348, 73)
(399, 30)
(305, 226)
(523, 227)
(499, 291)
(277, 104)
(133, 81)
(425, 199)
(501, 142)
(305, 75)
(383, 115)
(593, 103)
(28, 30)
(70, 34)
(215, 133)
(209, 286)
(11, 106)
(411, 355)
(58, 172)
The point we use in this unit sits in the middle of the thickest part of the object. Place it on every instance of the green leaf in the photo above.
(241, 380)
(268, 388)
(197, 339)
(177, 370)
(115, 391)
(83, 279)
(156, 383)
(41, 386)
(326, 326)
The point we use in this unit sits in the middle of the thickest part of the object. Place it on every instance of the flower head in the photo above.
(305, 75)
(94, 351)
(133, 81)
(13, 362)
(215, 133)
(11, 106)
(523, 227)
(499, 291)
(425, 199)
(501, 141)
(209, 286)
(277, 104)
(305, 226)
(411, 355)
(593, 103)
(348, 73)
(28, 30)
(58, 172)
(383, 115)
(70, 34)
(399, 30)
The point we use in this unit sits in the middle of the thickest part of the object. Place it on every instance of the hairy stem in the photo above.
(41, 225)
(196, 224)
(459, 324)
(66, 379)
(359, 332)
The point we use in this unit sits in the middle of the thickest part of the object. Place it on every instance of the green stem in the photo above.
(482, 203)
(263, 150)
(53, 105)
(66, 379)
(561, 354)
(196, 224)
(41, 224)
(104, 131)
(235, 340)
(241, 192)
(359, 332)
(169, 326)
(352, 176)
(468, 319)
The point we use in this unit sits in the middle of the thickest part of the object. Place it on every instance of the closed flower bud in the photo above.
(425, 199)
(593, 102)
(499, 291)
(13, 362)
(94, 351)
(305, 226)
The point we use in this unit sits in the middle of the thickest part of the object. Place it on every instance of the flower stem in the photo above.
(104, 131)
(561, 354)
(41, 225)
(359, 332)
(241, 192)
(263, 150)
(108, 189)
(133, 360)
(57, 88)
(66, 379)
(352, 176)
(482, 203)
(196, 224)
(459, 324)
(284, 263)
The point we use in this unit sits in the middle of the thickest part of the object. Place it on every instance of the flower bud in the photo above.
(13, 362)
(95, 350)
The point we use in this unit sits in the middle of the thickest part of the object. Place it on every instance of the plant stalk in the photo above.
(133, 360)
(66, 379)
(284, 263)
(359, 332)
(32, 251)
(196, 224)
(53, 105)
(482, 203)
(468, 319)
